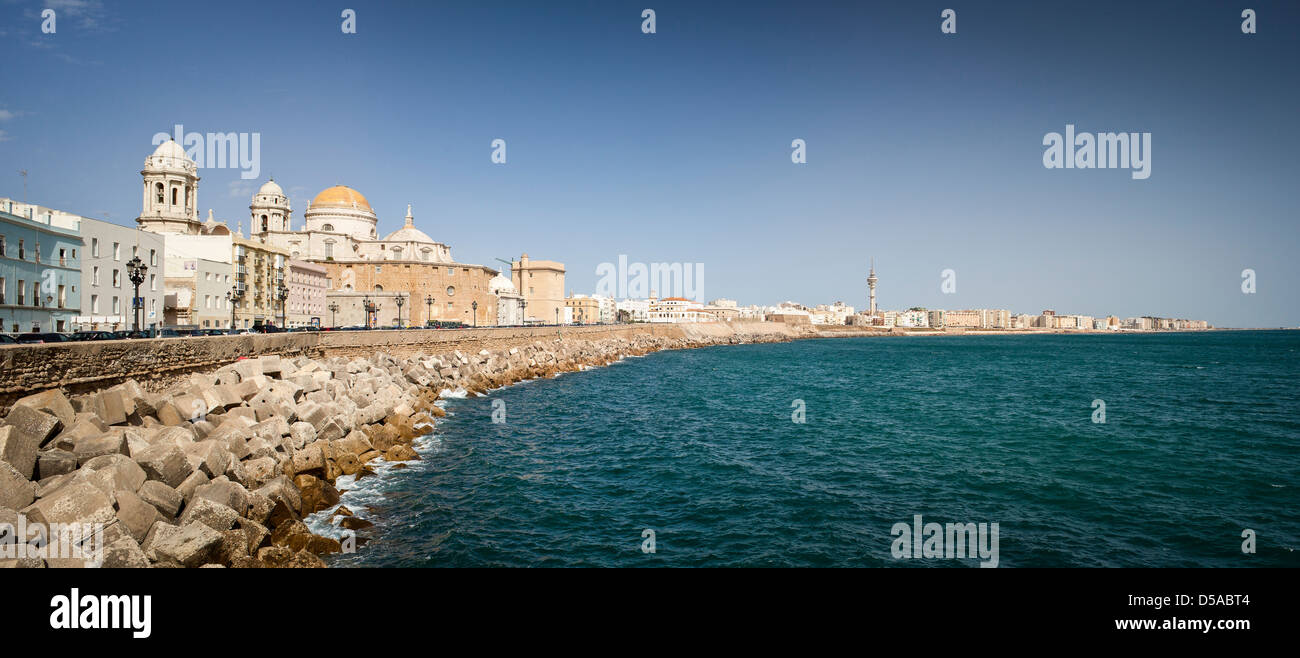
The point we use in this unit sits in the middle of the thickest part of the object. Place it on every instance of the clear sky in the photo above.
(924, 150)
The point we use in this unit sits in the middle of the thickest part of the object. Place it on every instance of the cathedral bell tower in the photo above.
(171, 190)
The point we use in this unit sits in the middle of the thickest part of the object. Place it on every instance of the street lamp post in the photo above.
(371, 308)
(401, 299)
(428, 309)
(283, 294)
(523, 311)
(474, 305)
(233, 296)
(334, 308)
(135, 269)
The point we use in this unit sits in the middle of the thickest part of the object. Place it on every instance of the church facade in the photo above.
(407, 276)
(341, 234)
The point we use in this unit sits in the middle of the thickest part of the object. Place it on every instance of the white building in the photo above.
(637, 310)
(510, 304)
(678, 310)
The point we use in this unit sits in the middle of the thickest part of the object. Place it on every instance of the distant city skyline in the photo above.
(925, 151)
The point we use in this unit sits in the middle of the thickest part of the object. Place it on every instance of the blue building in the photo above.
(40, 269)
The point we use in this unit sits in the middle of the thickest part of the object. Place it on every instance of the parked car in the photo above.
(34, 337)
(239, 332)
(93, 335)
(168, 333)
(6, 339)
(266, 329)
(120, 335)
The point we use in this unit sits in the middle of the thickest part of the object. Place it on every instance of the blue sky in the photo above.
(924, 150)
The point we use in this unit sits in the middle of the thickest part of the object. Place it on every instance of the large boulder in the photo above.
(55, 462)
(135, 515)
(16, 491)
(191, 483)
(111, 407)
(258, 472)
(52, 402)
(111, 443)
(282, 490)
(209, 456)
(301, 434)
(163, 498)
(79, 502)
(310, 458)
(211, 514)
(166, 463)
(224, 492)
(318, 495)
(125, 472)
(18, 449)
(124, 553)
(34, 423)
(193, 545)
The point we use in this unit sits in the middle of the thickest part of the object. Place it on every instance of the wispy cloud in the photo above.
(240, 188)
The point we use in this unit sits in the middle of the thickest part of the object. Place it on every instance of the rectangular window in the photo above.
(153, 258)
(117, 278)
(117, 251)
(94, 276)
(451, 271)
(94, 303)
(94, 247)
(2, 290)
(153, 281)
(2, 245)
(22, 292)
(36, 293)
(117, 309)
(22, 250)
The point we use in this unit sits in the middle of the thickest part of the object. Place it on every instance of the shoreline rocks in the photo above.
(220, 469)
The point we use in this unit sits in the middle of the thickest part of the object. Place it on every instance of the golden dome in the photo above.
(341, 196)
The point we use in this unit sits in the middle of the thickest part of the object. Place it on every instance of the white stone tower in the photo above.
(270, 209)
(171, 190)
(871, 285)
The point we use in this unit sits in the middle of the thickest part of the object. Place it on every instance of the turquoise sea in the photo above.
(1201, 441)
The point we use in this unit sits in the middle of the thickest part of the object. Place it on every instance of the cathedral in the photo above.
(407, 277)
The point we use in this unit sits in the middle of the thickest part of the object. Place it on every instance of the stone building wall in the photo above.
(417, 280)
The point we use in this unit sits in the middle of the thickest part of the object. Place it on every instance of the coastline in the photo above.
(221, 469)
(242, 466)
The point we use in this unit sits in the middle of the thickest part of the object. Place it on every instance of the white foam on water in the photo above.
(458, 393)
(370, 491)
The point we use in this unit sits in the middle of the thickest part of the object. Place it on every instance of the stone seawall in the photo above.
(26, 369)
(159, 362)
(220, 468)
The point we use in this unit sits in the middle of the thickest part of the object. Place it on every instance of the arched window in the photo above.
(175, 194)
(264, 224)
(424, 255)
(327, 227)
(159, 190)
(379, 288)
(451, 291)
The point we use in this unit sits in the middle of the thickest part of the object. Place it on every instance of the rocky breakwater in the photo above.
(220, 469)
